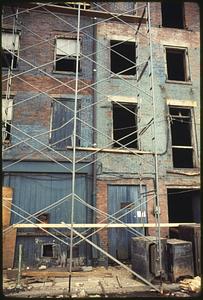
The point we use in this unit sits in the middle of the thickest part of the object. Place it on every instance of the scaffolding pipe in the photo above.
(74, 147)
(157, 203)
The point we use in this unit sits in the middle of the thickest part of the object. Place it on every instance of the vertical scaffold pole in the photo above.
(157, 203)
(74, 147)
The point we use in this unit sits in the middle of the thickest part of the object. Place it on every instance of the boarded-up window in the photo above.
(62, 124)
(10, 45)
(66, 55)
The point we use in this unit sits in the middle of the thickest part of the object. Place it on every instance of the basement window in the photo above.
(66, 55)
(10, 49)
(7, 115)
(177, 64)
(62, 115)
(172, 14)
(123, 57)
(182, 148)
(47, 250)
(125, 125)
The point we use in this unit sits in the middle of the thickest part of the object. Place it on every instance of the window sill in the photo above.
(185, 171)
(172, 28)
(179, 82)
(124, 77)
(67, 73)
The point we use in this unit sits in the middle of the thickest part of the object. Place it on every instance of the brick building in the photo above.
(101, 115)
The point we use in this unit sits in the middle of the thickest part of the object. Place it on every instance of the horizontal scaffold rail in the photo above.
(100, 225)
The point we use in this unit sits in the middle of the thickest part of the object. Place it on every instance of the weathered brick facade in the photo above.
(34, 91)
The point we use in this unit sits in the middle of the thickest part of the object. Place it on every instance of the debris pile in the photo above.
(191, 285)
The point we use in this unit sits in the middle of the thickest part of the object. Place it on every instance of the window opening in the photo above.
(172, 14)
(47, 250)
(121, 64)
(182, 149)
(62, 124)
(66, 55)
(125, 125)
(10, 42)
(177, 200)
(7, 115)
(176, 64)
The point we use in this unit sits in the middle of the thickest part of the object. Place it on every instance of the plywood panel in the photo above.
(9, 242)
(7, 201)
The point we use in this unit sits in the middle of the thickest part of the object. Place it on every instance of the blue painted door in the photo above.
(127, 203)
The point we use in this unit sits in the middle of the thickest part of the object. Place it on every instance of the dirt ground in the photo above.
(91, 283)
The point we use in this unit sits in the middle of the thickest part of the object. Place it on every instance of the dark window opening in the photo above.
(182, 149)
(125, 125)
(182, 158)
(47, 250)
(6, 59)
(121, 64)
(172, 14)
(180, 126)
(66, 64)
(176, 64)
(62, 124)
(183, 207)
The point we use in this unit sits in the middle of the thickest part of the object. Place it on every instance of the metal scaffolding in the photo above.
(142, 30)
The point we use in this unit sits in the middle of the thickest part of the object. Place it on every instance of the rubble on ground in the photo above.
(95, 283)
(191, 285)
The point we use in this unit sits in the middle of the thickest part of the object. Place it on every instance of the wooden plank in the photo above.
(9, 242)
(90, 13)
(61, 274)
(7, 194)
(94, 149)
(100, 225)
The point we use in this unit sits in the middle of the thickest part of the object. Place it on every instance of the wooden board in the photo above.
(100, 225)
(7, 193)
(62, 274)
(9, 242)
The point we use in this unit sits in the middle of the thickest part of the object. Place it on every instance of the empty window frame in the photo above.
(66, 55)
(177, 64)
(10, 49)
(125, 125)
(172, 14)
(181, 137)
(62, 124)
(123, 57)
(7, 116)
